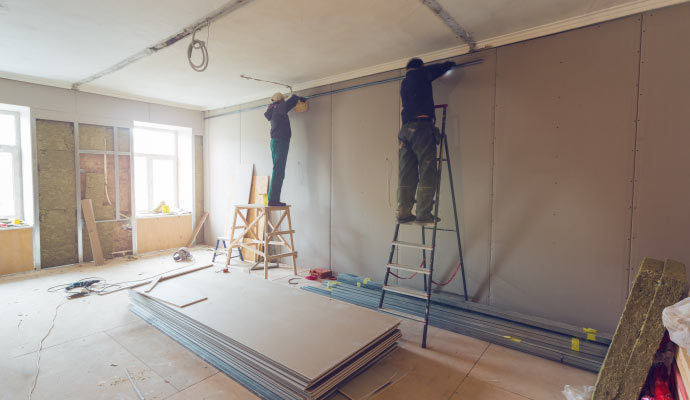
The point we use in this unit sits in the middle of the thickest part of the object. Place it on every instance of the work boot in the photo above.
(276, 204)
(404, 215)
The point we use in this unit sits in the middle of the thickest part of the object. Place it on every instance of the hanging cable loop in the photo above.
(197, 44)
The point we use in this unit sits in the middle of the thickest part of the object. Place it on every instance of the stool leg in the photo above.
(292, 243)
(215, 251)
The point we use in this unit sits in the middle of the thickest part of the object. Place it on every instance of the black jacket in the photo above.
(277, 114)
(415, 90)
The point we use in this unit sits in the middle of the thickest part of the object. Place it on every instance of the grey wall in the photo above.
(561, 193)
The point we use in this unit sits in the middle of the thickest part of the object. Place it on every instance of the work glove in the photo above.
(303, 99)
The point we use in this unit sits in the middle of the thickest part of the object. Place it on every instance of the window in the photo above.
(162, 168)
(11, 204)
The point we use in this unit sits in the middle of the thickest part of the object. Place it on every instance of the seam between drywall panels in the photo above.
(492, 197)
(635, 150)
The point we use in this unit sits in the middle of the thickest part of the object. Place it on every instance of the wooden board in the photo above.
(16, 247)
(96, 250)
(682, 366)
(198, 227)
(174, 293)
(159, 233)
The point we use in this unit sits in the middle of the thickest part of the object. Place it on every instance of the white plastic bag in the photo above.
(583, 393)
(676, 319)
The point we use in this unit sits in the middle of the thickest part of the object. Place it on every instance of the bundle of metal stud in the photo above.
(580, 347)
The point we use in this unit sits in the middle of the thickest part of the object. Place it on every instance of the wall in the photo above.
(55, 112)
(16, 249)
(560, 192)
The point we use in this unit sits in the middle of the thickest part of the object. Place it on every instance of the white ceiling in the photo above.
(300, 42)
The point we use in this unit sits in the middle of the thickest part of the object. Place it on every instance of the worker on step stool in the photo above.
(417, 140)
(280, 142)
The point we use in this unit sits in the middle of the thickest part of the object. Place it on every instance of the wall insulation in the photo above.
(57, 196)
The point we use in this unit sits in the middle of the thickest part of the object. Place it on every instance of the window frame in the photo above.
(16, 152)
(149, 169)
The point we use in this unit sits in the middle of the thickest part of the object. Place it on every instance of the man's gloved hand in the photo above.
(303, 99)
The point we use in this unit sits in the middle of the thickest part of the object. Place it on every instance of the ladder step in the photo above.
(410, 268)
(402, 314)
(406, 291)
(413, 245)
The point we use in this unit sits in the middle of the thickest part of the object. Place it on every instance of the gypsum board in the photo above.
(589, 364)
(385, 352)
(217, 340)
(184, 340)
(227, 368)
(236, 358)
(393, 340)
(459, 302)
(593, 347)
(416, 307)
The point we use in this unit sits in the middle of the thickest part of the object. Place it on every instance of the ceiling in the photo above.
(300, 42)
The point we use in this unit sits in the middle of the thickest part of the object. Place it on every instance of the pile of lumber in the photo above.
(658, 284)
(577, 346)
(276, 341)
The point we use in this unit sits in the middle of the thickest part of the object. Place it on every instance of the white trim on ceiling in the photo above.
(595, 17)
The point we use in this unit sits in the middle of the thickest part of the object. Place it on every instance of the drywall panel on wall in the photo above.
(469, 93)
(159, 233)
(661, 221)
(255, 142)
(365, 124)
(199, 182)
(56, 192)
(307, 182)
(222, 144)
(16, 247)
(565, 111)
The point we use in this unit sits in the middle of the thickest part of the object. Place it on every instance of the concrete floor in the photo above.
(95, 338)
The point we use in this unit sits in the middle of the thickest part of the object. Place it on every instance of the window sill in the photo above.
(144, 216)
(9, 228)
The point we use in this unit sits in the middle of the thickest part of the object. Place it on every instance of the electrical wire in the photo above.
(40, 347)
(197, 44)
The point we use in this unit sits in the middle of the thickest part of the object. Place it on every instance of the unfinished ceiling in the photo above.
(301, 42)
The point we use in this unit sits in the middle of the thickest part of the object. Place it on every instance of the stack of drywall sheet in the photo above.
(276, 341)
(580, 347)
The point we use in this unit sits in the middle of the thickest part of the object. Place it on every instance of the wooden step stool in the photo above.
(270, 232)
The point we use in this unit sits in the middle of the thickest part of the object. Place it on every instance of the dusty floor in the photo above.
(95, 338)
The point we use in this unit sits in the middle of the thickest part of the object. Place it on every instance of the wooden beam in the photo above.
(90, 220)
(162, 278)
(197, 229)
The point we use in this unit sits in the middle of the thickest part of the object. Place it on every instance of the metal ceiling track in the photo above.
(228, 8)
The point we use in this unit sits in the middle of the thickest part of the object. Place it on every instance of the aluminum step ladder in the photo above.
(427, 273)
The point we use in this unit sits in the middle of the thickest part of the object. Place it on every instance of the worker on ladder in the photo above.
(280, 141)
(417, 140)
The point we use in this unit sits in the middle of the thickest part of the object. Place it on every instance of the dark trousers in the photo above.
(279, 151)
(417, 168)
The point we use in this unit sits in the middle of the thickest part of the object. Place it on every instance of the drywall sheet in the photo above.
(469, 93)
(57, 196)
(95, 137)
(365, 124)
(223, 149)
(115, 236)
(307, 186)
(661, 222)
(565, 112)
(159, 233)
(16, 247)
(199, 182)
